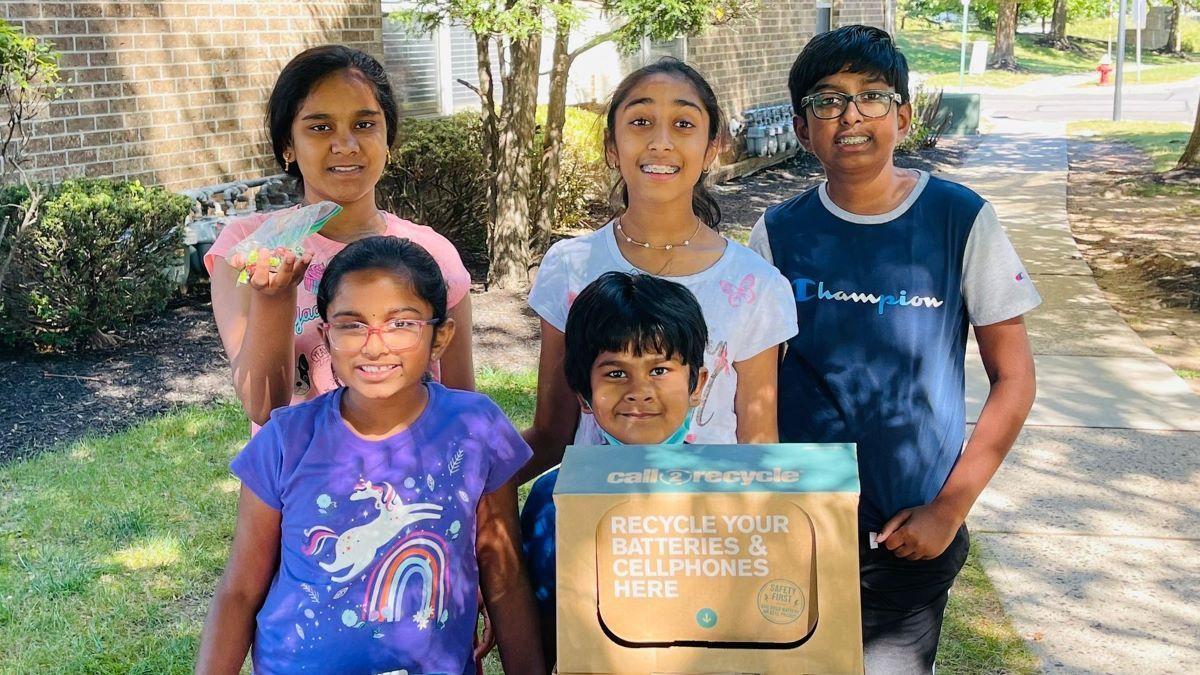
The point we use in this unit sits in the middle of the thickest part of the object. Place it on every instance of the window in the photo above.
(425, 69)
(824, 17)
(410, 60)
(653, 51)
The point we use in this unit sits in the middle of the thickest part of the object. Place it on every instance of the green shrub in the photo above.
(438, 177)
(94, 261)
(583, 179)
(928, 121)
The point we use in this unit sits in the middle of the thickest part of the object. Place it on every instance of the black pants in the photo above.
(902, 605)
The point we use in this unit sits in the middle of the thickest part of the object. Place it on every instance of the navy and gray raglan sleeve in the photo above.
(995, 284)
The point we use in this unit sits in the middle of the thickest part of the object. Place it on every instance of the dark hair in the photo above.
(702, 202)
(851, 49)
(638, 312)
(302, 73)
(395, 255)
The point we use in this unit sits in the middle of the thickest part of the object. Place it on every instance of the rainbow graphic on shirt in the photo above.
(419, 557)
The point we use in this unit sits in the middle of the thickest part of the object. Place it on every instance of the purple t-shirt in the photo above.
(377, 566)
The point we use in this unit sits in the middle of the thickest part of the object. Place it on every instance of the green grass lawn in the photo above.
(1163, 142)
(935, 54)
(110, 549)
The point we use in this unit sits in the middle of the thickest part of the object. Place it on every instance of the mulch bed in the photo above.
(1144, 249)
(170, 360)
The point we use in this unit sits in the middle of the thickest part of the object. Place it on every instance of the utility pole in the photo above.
(1120, 63)
(1139, 18)
(1110, 17)
(962, 59)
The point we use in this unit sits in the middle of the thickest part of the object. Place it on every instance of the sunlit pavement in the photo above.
(1091, 529)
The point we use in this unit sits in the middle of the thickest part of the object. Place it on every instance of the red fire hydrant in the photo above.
(1105, 68)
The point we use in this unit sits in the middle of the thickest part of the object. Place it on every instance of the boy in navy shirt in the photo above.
(888, 267)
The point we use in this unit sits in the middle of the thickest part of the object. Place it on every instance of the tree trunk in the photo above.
(1058, 26)
(1190, 159)
(509, 237)
(1174, 35)
(1006, 31)
(14, 238)
(552, 140)
(487, 117)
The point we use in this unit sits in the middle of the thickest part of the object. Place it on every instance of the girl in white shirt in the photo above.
(662, 134)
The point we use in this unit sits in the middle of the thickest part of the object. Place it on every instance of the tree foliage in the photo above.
(29, 81)
(512, 29)
(983, 13)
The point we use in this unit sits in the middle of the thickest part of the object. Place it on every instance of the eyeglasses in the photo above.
(829, 105)
(398, 335)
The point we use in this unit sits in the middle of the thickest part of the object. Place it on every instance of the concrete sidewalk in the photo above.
(1091, 529)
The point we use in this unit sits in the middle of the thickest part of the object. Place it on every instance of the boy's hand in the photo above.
(920, 533)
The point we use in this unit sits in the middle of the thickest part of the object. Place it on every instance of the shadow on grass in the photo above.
(110, 549)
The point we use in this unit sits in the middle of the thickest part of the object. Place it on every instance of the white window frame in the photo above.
(820, 5)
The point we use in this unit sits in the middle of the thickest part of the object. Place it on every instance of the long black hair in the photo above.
(703, 203)
(299, 77)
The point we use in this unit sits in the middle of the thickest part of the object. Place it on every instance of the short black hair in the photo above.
(395, 255)
(638, 312)
(852, 49)
(303, 72)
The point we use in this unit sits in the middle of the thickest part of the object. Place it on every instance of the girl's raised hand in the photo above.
(272, 272)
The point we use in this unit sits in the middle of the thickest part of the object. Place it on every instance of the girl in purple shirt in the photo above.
(370, 515)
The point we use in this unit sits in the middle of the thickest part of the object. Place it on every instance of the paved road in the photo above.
(1157, 104)
(1062, 99)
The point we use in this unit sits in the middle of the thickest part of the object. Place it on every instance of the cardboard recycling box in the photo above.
(708, 559)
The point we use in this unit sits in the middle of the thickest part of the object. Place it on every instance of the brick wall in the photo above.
(868, 12)
(174, 93)
(747, 61)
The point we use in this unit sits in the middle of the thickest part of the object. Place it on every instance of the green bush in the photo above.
(437, 176)
(583, 179)
(94, 261)
(928, 121)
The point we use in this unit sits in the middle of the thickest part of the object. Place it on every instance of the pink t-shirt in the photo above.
(314, 374)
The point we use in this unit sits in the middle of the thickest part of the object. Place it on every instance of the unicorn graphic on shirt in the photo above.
(356, 548)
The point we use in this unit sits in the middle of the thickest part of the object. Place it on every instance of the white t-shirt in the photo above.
(746, 302)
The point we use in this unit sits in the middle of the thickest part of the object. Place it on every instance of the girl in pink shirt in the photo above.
(332, 119)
